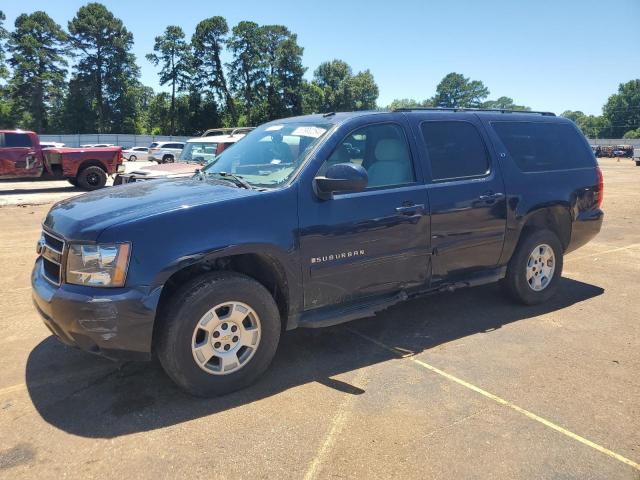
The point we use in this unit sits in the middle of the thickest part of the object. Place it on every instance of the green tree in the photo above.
(632, 133)
(408, 103)
(622, 110)
(572, 115)
(38, 46)
(106, 66)
(246, 69)
(344, 91)
(5, 104)
(175, 55)
(312, 97)
(4, 73)
(208, 42)
(333, 78)
(364, 91)
(283, 72)
(503, 103)
(592, 126)
(457, 91)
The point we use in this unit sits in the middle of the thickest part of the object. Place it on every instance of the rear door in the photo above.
(466, 194)
(18, 156)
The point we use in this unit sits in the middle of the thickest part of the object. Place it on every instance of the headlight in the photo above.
(101, 265)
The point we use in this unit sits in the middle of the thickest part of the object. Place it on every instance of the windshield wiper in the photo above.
(237, 180)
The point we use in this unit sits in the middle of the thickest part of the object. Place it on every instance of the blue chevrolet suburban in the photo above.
(309, 222)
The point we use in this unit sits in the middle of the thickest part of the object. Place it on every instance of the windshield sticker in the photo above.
(311, 131)
(273, 128)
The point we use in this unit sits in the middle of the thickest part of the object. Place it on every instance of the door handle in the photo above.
(407, 209)
(486, 196)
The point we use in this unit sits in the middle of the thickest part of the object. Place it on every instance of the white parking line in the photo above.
(628, 247)
(499, 400)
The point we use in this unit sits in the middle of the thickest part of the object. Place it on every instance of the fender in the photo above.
(285, 262)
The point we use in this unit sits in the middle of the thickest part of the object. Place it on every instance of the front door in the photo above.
(466, 194)
(374, 242)
(18, 157)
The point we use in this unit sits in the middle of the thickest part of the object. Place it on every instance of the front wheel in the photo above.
(218, 334)
(535, 268)
(167, 159)
(133, 158)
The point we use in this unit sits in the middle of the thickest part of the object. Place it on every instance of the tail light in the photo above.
(600, 187)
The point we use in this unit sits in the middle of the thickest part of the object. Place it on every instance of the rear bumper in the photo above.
(586, 226)
(113, 322)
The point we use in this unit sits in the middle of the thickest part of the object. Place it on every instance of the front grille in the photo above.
(51, 250)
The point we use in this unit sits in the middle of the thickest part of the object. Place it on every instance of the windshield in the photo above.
(201, 152)
(270, 154)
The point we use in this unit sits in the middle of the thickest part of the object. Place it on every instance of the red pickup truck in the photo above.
(21, 156)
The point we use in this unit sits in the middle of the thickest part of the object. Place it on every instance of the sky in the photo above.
(551, 55)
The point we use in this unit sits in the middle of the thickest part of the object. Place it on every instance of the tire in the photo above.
(518, 282)
(167, 159)
(181, 336)
(637, 163)
(133, 158)
(91, 178)
(73, 181)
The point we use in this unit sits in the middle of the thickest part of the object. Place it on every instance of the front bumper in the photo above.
(113, 322)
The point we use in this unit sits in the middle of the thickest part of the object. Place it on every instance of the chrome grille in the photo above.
(51, 250)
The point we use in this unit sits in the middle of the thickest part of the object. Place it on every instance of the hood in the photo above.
(167, 169)
(85, 216)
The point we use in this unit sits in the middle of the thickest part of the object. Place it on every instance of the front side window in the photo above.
(269, 155)
(381, 149)
(455, 150)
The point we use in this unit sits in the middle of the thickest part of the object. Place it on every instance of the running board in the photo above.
(330, 317)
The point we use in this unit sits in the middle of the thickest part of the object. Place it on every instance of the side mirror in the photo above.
(341, 178)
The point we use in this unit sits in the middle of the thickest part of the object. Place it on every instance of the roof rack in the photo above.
(463, 109)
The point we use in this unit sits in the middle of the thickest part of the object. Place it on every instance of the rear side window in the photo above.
(14, 140)
(455, 149)
(537, 146)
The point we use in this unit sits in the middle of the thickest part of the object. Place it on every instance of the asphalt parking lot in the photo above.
(461, 385)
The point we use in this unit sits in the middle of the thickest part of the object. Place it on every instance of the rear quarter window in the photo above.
(538, 147)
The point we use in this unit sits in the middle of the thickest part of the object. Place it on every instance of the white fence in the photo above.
(122, 140)
(615, 141)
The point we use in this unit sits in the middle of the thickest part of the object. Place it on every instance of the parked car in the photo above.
(22, 156)
(165, 152)
(136, 153)
(313, 221)
(636, 156)
(196, 153)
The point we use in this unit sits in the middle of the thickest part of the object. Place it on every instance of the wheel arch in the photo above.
(91, 163)
(556, 218)
(265, 268)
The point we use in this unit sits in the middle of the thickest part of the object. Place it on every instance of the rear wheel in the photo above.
(133, 158)
(91, 178)
(218, 334)
(535, 268)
